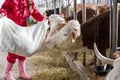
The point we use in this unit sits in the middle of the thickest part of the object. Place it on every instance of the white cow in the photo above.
(114, 74)
(63, 38)
(68, 37)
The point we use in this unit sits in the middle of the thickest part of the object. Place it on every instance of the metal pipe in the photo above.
(88, 1)
(108, 2)
(115, 26)
(75, 9)
(54, 6)
(94, 1)
(83, 11)
(111, 26)
(46, 4)
(60, 10)
(100, 1)
(68, 8)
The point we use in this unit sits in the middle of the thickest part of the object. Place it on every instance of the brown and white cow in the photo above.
(91, 10)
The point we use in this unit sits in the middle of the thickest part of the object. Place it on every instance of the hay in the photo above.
(56, 74)
(51, 65)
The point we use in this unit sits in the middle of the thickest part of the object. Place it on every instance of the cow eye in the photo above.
(65, 34)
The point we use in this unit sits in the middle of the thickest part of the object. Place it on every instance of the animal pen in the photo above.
(95, 21)
(113, 32)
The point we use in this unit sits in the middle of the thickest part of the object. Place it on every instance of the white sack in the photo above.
(22, 40)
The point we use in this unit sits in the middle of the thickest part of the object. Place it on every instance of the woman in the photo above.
(19, 11)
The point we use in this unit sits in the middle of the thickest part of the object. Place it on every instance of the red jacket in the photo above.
(18, 11)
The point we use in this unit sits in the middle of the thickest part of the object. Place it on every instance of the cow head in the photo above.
(114, 74)
(64, 35)
(56, 23)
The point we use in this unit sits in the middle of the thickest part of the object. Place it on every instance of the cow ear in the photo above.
(74, 36)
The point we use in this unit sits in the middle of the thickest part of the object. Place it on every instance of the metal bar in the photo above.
(46, 4)
(108, 2)
(75, 9)
(83, 11)
(60, 10)
(54, 6)
(68, 13)
(111, 26)
(100, 1)
(94, 1)
(88, 1)
(115, 26)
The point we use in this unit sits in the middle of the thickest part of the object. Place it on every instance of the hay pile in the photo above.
(51, 65)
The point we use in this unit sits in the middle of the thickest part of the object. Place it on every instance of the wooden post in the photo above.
(77, 66)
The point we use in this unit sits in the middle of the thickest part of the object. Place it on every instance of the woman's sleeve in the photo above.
(4, 8)
(36, 14)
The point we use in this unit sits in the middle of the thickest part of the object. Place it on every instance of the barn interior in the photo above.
(99, 20)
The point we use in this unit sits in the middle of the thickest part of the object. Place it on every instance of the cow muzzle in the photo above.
(49, 44)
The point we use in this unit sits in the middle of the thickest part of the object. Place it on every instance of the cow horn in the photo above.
(101, 57)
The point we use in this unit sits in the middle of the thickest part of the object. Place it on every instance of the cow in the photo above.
(51, 11)
(114, 74)
(72, 27)
(90, 9)
(88, 34)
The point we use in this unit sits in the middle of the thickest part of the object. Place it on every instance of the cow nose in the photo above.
(47, 41)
